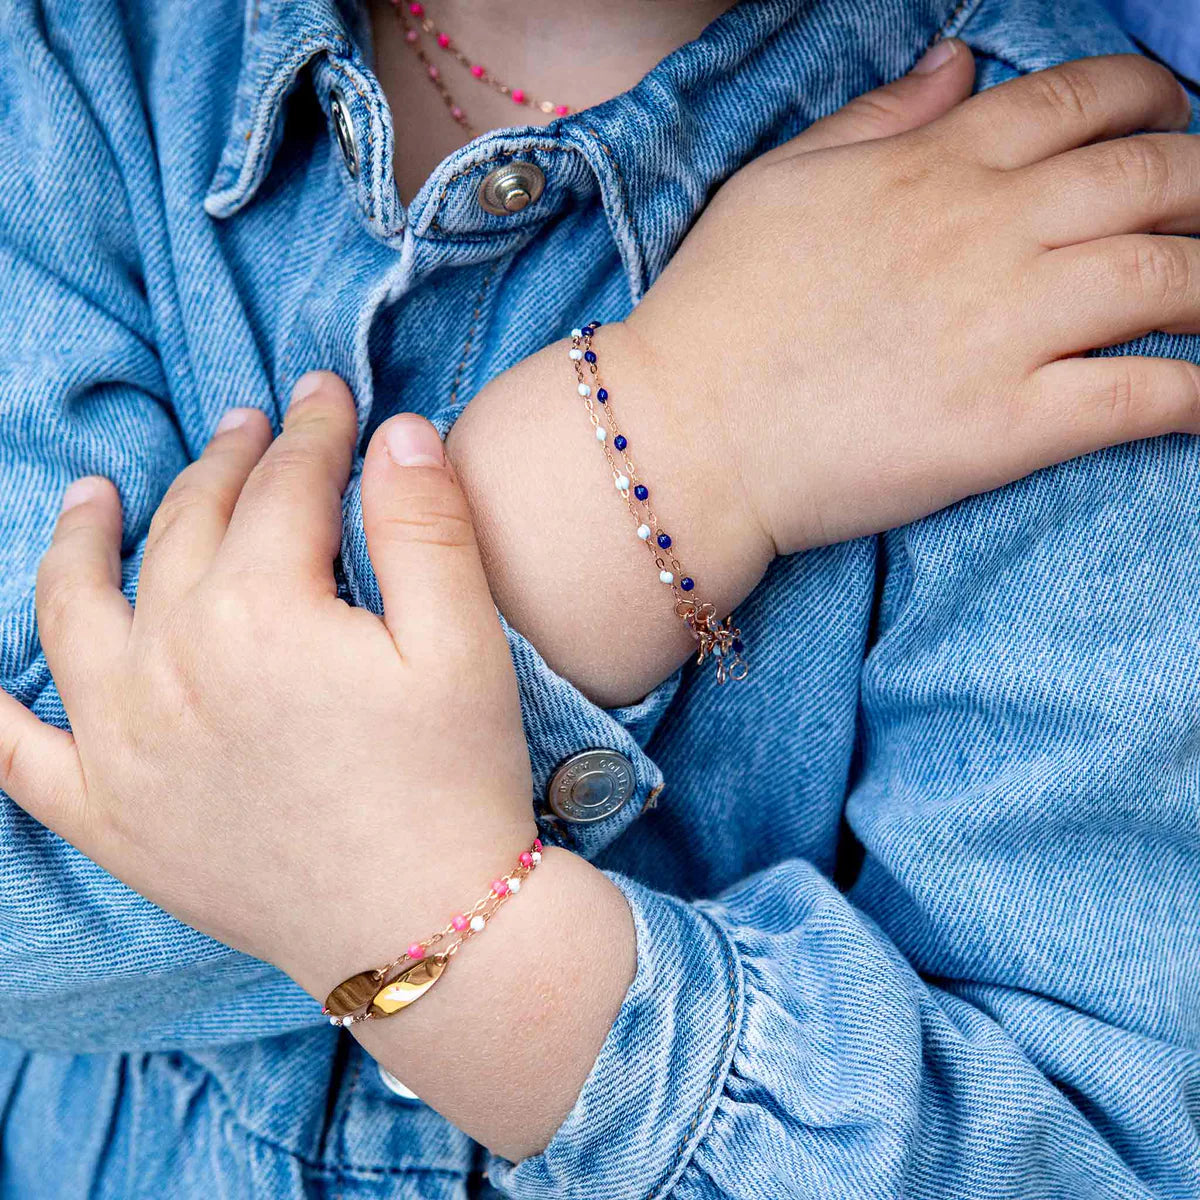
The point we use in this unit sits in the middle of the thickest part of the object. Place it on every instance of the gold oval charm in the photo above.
(411, 984)
(351, 994)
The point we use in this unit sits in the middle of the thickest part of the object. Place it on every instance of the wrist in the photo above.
(708, 435)
(381, 910)
(521, 1012)
(559, 545)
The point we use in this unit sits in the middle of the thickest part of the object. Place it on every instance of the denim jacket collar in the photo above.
(281, 38)
(656, 152)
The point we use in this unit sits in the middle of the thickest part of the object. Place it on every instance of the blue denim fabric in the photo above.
(1168, 28)
(983, 726)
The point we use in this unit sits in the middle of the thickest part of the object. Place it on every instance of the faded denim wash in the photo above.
(918, 907)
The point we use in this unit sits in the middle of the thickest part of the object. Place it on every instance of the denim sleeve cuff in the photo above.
(651, 1094)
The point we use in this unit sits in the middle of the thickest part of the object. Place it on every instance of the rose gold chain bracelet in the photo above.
(385, 990)
(720, 640)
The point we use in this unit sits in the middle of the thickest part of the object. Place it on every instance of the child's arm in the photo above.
(205, 764)
(317, 787)
(916, 342)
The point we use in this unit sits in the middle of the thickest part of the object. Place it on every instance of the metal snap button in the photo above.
(510, 188)
(394, 1085)
(343, 130)
(591, 786)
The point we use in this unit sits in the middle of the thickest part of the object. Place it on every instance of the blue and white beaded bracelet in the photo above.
(720, 640)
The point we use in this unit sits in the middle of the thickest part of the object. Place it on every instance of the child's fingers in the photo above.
(422, 542)
(1079, 405)
(188, 528)
(1118, 288)
(940, 80)
(39, 768)
(288, 519)
(1049, 112)
(83, 617)
(1127, 185)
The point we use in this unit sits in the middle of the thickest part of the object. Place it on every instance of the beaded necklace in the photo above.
(477, 71)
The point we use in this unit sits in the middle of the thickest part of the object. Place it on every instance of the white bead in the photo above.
(335, 1020)
(537, 857)
(514, 884)
(644, 532)
(575, 354)
(622, 482)
(601, 433)
(666, 576)
(477, 924)
(584, 390)
(576, 333)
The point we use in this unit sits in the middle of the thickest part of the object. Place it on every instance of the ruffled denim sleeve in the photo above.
(775, 1043)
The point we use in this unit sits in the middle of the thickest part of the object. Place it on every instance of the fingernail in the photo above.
(233, 418)
(936, 57)
(412, 442)
(306, 385)
(81, 491)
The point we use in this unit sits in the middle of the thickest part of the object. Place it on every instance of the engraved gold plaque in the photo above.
(411, 984)
(350, 995)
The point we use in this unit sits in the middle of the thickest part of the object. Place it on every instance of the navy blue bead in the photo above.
(737, 646)
(589, 356)
(664, 540)
(620, 442)
(641, 491)
(687, 583)
(602, 395)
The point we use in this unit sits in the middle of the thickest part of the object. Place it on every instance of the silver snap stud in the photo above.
(510, 188)
(591, 786)
(343, 131)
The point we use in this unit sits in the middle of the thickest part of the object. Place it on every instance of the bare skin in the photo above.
(572, 53)
(204, 764)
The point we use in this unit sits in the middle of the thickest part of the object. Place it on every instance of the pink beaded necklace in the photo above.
(476, 70)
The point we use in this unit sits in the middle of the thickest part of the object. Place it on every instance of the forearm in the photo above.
(562, 557)
(502, 1045)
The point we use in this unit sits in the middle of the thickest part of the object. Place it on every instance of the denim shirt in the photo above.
(1167, 28)
(917, 906)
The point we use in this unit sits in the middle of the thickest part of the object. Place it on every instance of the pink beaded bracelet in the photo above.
(385, 990)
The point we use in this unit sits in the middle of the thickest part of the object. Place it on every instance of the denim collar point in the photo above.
(281, 39)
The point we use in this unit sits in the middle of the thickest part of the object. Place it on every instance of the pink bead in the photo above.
(444, 41)
(411, 37)
(500, 887)
(417, 10)
(561, 109)
(459, 922)
(526, 859)
(433, 72)
(477, 71)
(537, 844)
(415, 951)
(518, 96)
(456, 112)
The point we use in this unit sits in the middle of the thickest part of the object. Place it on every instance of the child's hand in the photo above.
(249, 752)
(872, 331)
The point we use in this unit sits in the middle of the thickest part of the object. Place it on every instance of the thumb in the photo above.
(422, 542)
(941, 79)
